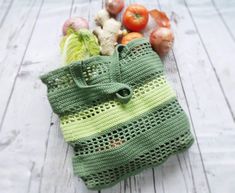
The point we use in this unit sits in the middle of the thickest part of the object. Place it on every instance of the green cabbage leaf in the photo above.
(79, 45)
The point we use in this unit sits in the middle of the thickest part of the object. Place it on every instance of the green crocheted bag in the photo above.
(119, 114)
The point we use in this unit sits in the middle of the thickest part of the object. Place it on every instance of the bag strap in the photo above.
(123, 92)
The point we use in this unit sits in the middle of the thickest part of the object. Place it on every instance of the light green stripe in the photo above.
(122, 113)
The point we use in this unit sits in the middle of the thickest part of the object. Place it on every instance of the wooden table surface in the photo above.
(201, 67)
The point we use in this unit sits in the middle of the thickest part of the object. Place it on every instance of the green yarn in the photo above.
(119, 113)
(148, 137)
(79, 45)
(115, 114)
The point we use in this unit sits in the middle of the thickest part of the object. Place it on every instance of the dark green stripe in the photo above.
(106, 178)
(63, 100)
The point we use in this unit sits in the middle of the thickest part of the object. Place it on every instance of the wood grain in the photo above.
(33, 154)
(219, 49)
(27, 125)
(209, 111)
(226, 10)
(5, 7)
(16, 33)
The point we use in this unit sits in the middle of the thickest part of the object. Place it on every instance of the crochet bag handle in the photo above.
(123, 92)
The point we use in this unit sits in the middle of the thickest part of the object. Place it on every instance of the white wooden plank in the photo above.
(192, 177)
(16, 32)
(219, 46)
(226, 10)
(211, 118)
(24, 135)
(5, 6)
(222, 60)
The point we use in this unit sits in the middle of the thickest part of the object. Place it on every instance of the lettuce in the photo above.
(79, 45)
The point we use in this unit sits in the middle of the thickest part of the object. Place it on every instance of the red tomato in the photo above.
(135, 18)
(130, 36)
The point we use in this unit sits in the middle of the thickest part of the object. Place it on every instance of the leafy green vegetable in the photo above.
(79, 45)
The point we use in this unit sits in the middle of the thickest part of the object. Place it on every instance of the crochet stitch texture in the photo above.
(119, 113)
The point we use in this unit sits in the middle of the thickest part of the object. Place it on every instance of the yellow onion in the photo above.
(161, 40)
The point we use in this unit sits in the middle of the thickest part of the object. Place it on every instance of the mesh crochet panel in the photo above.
(135, 52)
(140, 88)
(123, 133)
(62, 82)
(66, 99)
(153, 157)
(90, 72)
(96, 69)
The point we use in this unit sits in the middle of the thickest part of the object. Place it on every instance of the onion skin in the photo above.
(114, 6)
(74, 24)
(162, 39)
(160, 18)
